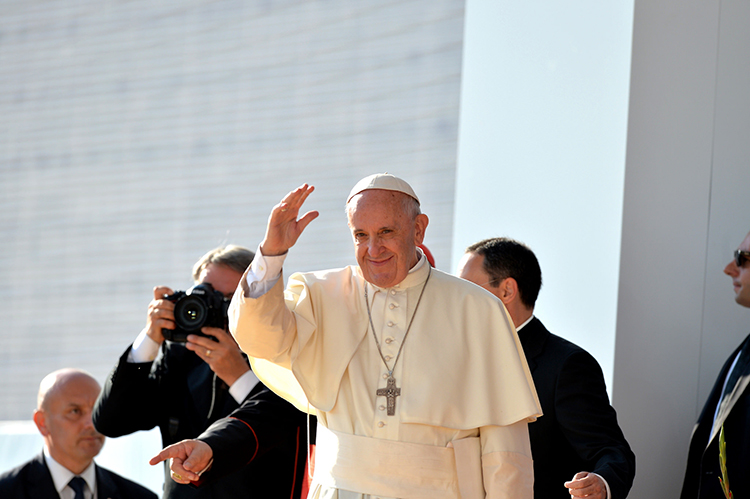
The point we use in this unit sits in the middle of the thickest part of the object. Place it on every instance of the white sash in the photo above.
(397, 469)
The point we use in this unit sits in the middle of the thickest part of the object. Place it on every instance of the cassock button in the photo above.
(393, 291)
(392, 306)
(381, 424)
(387, 357)
(385, 375)
(390, 324)
(389, 340)
(382, 407)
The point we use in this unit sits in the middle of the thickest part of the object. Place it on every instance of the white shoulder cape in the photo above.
(462, 349)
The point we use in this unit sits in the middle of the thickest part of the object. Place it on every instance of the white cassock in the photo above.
(466, 391)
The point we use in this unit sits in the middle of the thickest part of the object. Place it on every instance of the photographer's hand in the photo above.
(283, 228)
(160, 314)
(224, 356)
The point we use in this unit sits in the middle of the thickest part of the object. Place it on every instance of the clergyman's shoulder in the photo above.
(325, 275)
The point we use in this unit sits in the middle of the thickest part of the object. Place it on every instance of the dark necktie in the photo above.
(77, 483)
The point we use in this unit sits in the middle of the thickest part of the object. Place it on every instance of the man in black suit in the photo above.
(728, 406)
(577, 446)
(184, 386)
(229, 443)
(66, 467)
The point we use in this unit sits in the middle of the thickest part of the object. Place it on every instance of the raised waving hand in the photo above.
(283, 227)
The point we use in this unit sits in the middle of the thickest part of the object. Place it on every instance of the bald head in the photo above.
(56, 380)
(63, 416)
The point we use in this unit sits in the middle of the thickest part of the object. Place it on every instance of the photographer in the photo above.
(186, 382)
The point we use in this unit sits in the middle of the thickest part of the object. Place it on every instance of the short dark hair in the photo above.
(505, 257)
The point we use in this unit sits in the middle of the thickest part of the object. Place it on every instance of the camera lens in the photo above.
(190, 313)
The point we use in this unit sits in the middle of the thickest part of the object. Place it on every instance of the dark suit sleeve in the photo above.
(263, 422)
(589, 422)
(128, 401)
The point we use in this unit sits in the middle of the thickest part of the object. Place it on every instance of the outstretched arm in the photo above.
(189, 459)
(262, 423)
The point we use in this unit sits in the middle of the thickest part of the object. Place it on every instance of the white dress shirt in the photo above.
(62, 475)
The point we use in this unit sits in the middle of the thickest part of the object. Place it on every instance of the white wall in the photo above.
(638, 250)
(542, 150)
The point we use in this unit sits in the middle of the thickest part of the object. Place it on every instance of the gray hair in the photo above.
(235, 257)
(409, 205)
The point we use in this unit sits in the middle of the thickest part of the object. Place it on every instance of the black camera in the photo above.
(199, 306)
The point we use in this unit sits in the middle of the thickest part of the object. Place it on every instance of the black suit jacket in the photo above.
(703, 472)
(32, 480)
(242, 437)
(579, 430)
(182, 396)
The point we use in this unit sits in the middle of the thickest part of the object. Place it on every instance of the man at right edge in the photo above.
(728, 405)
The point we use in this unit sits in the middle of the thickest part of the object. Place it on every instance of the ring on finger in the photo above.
(208, 353)
(176, 476)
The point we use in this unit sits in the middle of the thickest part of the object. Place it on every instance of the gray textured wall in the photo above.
(135, 136)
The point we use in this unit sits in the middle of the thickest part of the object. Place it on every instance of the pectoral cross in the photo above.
(390, 392)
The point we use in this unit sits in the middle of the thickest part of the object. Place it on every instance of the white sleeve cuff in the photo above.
(242, 387)
(144, 349)
(609, 492)
(264, 272)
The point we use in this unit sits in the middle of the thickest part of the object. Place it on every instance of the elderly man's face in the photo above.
(385, 236)
(65, 422)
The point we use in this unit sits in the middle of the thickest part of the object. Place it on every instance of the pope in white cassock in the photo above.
(417, 377)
